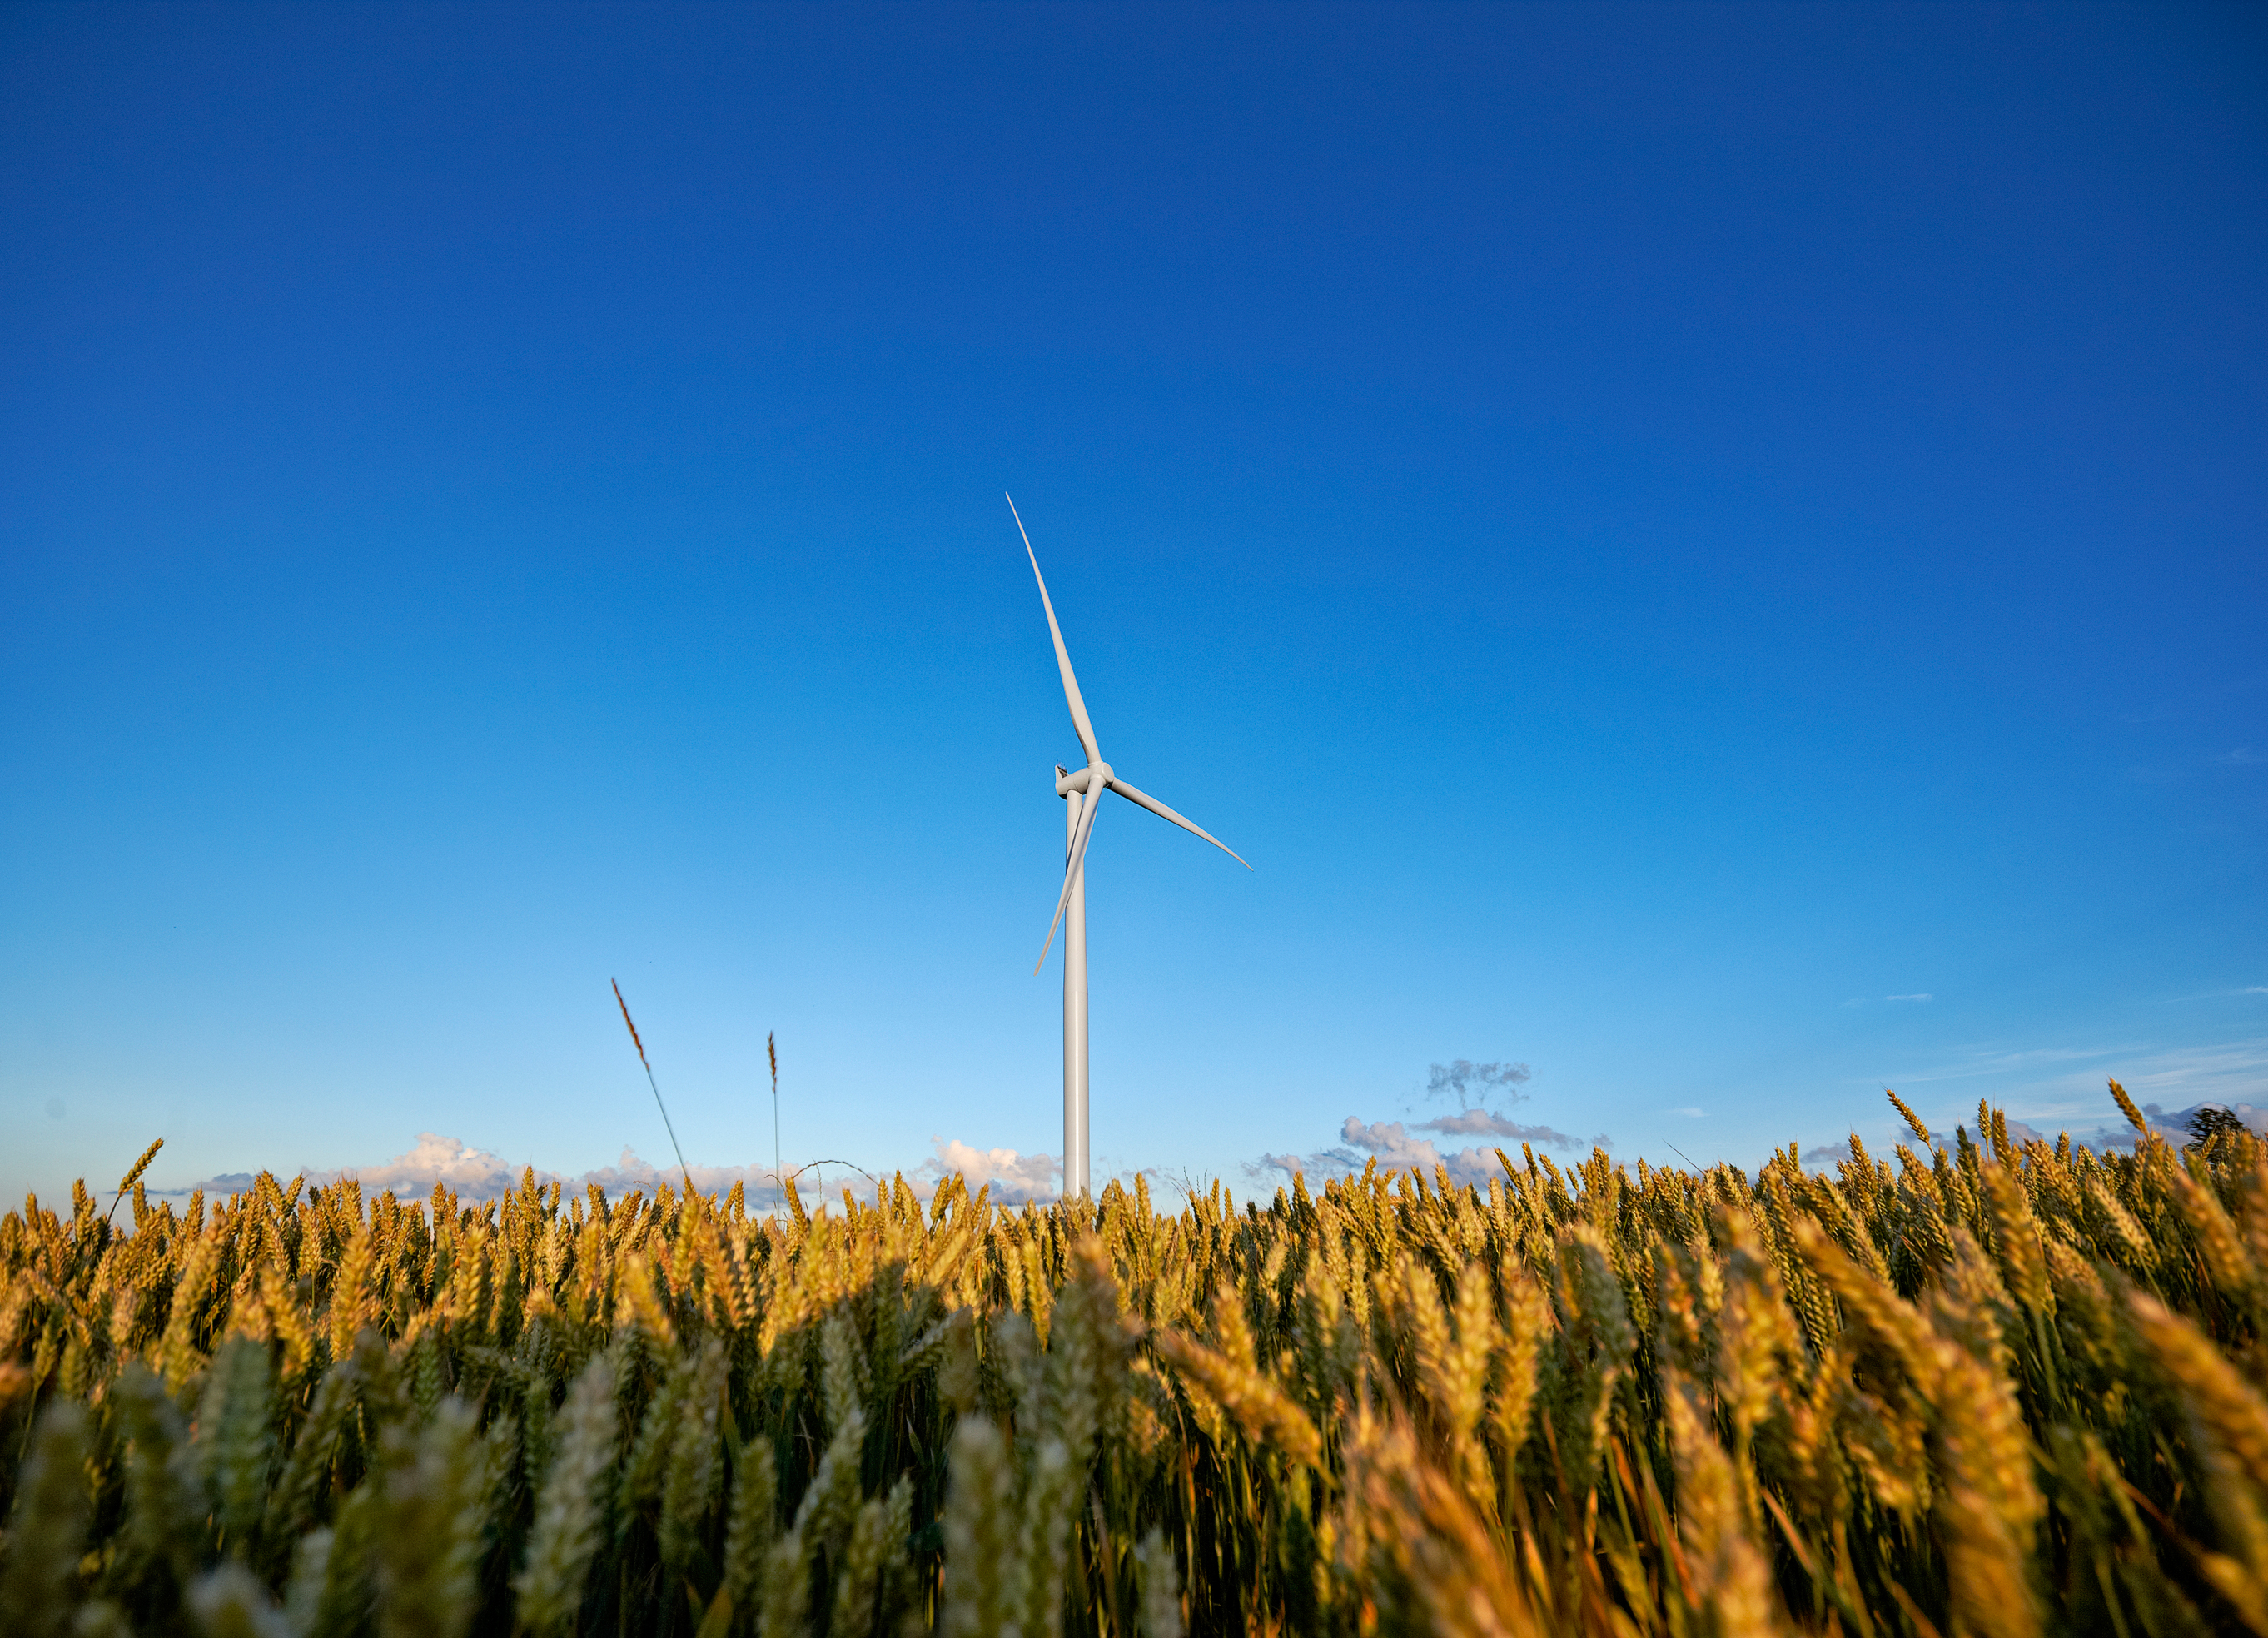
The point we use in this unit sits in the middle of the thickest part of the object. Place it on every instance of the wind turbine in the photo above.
(1082, 794)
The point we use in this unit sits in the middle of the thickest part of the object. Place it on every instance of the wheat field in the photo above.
(1983, 1388)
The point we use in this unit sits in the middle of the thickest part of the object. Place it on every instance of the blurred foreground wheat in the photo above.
(1991, 1389)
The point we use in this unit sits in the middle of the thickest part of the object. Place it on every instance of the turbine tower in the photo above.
(1082, 794)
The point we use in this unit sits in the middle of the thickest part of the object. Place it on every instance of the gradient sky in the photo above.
(1717, 552)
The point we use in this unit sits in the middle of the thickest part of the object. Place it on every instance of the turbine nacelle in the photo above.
(1090, 781)
(1081, 781)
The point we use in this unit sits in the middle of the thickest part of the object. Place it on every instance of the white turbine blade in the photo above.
(1164, 812)
(1071, 871)
(1063, 655)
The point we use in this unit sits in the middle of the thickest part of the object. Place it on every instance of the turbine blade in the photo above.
(1164, 812)
(1063, 655)
(1071, 871)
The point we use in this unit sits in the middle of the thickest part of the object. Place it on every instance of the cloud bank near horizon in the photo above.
(1393, 1147)
(1390, 1143)
(1016, 1177)
(476, 1174)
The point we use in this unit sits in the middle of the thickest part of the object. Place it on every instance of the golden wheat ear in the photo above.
(627, 1024)
(2126, 1107)
(1912, 1119)
(134, 1175)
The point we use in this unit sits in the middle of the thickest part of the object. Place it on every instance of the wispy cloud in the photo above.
(2062, 1089)
(1983, 1060)
(2233, 1071)
(1472, 1083)
(2242, 757)
(1920, 995)
(1690, 1113)
(2227, 1073)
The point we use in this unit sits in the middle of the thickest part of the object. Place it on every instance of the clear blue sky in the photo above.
(1656, 531)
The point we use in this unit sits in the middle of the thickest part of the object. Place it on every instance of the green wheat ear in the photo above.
(565, 1534)
(47, 1530)
(433, 1509)
(1161, 1588)
(982, 1567)
(690, 1485)
(752, 1524)
(236, 1443)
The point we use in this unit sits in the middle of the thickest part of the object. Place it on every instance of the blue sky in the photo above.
(1716, 552)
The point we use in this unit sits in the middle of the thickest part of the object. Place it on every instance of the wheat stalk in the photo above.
(667, 1123)
(1996, 1387)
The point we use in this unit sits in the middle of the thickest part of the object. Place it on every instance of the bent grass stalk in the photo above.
(667, 1123)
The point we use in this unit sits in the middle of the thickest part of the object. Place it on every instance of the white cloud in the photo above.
(1390, 1144)
(434, 1159)
(1015, 1179)
(1482, 1123)
(473, 1174)
(1690, 1114)
(1923, 995)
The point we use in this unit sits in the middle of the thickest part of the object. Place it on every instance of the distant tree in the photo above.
(2209, 1122)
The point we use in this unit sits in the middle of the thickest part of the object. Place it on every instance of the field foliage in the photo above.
(1977, 1388)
